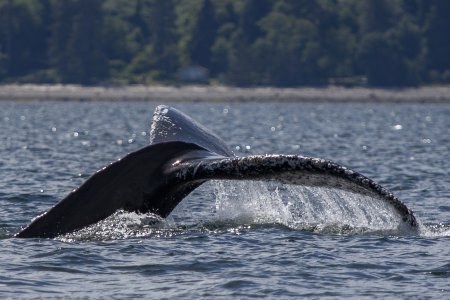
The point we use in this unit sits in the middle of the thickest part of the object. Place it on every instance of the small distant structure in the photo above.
(348, 81)
(193, 74)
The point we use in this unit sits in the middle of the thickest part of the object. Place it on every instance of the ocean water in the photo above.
(232, 239)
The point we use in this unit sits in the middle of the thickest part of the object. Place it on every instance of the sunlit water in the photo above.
(232, 239)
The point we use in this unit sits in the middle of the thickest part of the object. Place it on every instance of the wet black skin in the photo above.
(182, 155)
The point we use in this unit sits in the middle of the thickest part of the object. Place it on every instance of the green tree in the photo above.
(21, 37)
(383, 63)
(203, 36)
(375, 15)
(438, 38)
(139, 20)
(77, 41)
(164, 37)
(157, 57)
(253, 12)
(289, 50)
(417, 9)
(247, 42)
(60, 30)
(222, 48)
(244, 66)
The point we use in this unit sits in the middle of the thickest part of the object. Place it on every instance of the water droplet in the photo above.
(272, 128)
(225, 111)
(53, 129)
(238, 148)
(248, 147)
(397, 127)
(75, 134)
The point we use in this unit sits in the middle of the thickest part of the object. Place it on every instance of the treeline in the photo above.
(238, 42)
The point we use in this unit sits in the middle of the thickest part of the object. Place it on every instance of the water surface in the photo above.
(230, 239)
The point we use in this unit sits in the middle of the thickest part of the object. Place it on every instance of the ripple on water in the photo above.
(225, 241)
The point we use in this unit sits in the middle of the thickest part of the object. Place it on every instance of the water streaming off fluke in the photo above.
(255, 203)
(305, 208)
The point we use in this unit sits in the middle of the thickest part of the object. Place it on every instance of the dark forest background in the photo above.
(237, 42)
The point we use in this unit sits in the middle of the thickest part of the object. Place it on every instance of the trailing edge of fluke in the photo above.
(181, 156)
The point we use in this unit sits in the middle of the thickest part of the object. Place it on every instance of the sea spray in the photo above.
(219, 206)
(300, 207)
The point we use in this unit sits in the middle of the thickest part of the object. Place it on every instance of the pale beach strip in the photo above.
(207, 93)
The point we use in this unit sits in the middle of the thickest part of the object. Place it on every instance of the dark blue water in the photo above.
(229, 239)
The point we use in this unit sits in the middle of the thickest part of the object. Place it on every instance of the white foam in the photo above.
(240, 204)
(434, 230)
(300, 207)
(122, 225)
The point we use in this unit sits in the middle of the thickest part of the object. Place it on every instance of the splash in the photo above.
(242, 205)
(304, 208)
(434, 230)
(123, 225)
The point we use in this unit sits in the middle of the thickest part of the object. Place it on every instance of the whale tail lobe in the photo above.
(182, 155)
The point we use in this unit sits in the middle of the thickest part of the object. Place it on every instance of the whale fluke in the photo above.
(181, 156)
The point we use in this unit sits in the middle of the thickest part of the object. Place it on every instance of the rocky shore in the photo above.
(439, 94)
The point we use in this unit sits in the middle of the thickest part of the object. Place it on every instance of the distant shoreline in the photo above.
(438, 94)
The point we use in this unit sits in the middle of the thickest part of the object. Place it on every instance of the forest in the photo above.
(285, 43)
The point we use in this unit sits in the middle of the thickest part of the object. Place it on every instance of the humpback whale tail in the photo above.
(181, 156)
